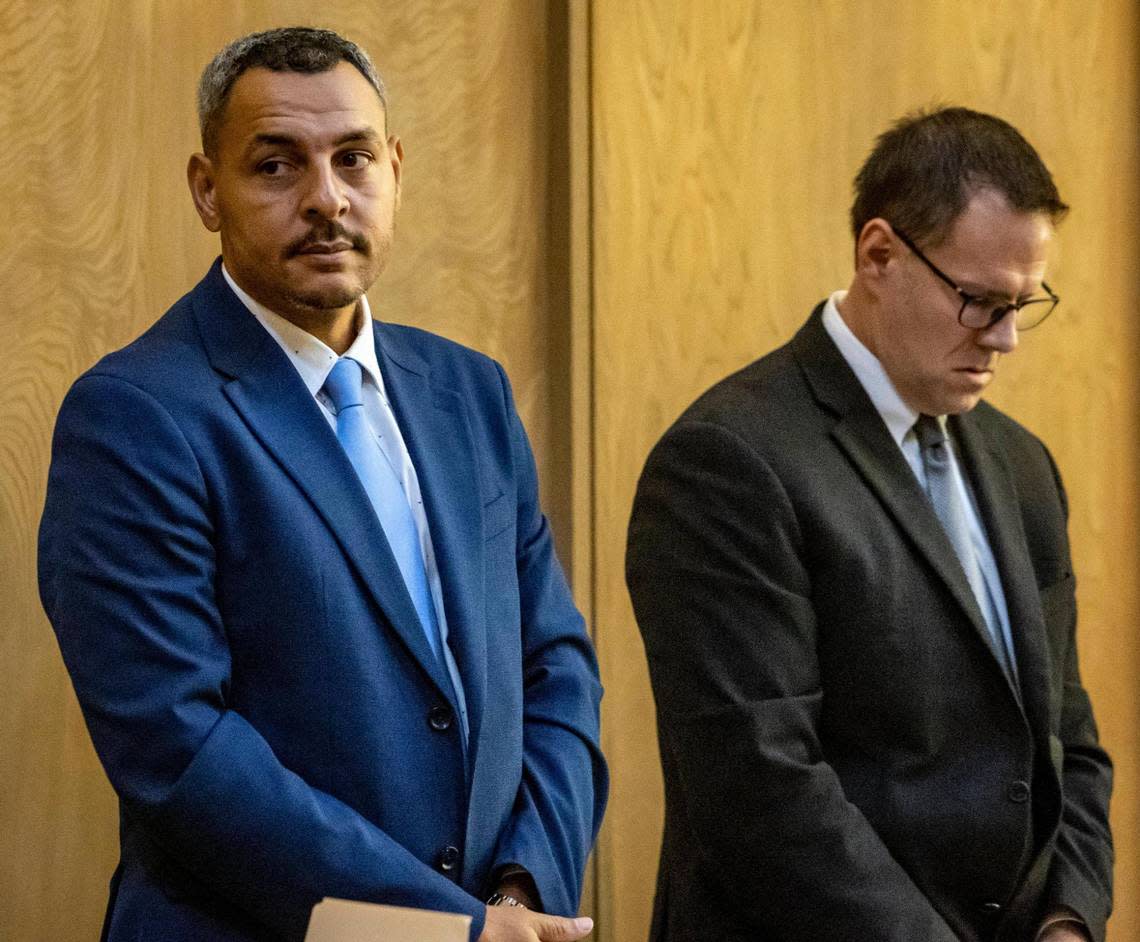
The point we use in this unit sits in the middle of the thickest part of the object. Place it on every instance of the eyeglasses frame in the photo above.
(967, 298)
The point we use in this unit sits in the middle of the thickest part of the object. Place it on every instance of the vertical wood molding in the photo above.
(581, 309)
(581, 313)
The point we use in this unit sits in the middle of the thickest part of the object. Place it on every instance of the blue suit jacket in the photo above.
(249, 662)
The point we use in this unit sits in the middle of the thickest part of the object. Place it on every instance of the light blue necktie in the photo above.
(382, 484)
(944, 495)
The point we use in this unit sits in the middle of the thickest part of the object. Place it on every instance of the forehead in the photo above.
(1002, 247)
(263, 101)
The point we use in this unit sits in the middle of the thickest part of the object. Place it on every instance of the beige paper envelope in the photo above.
(342, 920)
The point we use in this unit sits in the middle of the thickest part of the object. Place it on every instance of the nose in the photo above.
(325, 195)
(1001, 336)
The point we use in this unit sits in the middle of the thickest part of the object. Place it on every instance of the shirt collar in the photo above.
(312, 358)
(898, 416)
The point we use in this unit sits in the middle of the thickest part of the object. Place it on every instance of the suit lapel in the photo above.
(883, 467)
(861, 433)
(996, 494)
(434, 425)
(267, 392)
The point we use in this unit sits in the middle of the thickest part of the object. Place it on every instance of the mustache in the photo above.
(330, 231)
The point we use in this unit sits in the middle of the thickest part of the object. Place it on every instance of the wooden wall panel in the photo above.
(97, 114)
(725, 139)
(715, 182)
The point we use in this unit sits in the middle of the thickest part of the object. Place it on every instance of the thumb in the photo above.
(559, 929)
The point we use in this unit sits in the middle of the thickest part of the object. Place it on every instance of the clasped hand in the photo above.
(515, 924)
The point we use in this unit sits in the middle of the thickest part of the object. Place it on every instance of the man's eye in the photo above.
(994, 309)
(271, 168)
(986, 311)
(356, 159)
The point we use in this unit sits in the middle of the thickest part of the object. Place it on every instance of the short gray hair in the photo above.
(287, 49)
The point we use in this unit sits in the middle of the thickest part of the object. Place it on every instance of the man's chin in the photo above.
(957, 405)
(944, 402)
(327, 300)
(324, 289)
(334, 295)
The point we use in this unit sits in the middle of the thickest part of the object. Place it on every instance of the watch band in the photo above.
(502, 899)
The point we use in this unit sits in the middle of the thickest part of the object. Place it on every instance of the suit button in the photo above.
(439, 719)
(448, 858)
(993, 910)
(1018, 792)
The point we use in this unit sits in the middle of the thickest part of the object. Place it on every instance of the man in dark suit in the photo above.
(297, 567)
(853, 582)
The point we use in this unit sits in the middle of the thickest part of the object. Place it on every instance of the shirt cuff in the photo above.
(1063, 917)
(517, 872)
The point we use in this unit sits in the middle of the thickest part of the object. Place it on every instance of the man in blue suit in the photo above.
(297, 567)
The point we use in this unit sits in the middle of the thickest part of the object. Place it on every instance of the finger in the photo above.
(558, 929)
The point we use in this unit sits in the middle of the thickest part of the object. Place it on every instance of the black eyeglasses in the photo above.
(979, 313)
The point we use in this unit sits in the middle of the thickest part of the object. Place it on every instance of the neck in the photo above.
(856, 309)
(336, 329)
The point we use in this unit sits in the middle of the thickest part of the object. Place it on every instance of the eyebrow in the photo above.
(996, 297)
(364, 133)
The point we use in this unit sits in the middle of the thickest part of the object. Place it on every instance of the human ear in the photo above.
(875, 248)
(203, 190)
(396, 156)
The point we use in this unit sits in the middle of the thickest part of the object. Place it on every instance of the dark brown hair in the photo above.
(926, 167)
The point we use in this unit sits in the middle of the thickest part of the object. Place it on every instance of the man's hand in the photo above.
(515, 924)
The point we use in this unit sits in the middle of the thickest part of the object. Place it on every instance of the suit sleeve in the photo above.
(562, 796)
(721, 587)
(1080, 876)
(126, 567)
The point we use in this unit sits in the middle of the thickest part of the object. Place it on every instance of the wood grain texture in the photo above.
(97, 112)
(725, 139)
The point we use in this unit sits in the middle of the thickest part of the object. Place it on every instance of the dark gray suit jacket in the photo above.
(844, 757)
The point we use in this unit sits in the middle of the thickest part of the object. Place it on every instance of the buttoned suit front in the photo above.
(249, 662)
(844, 756)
